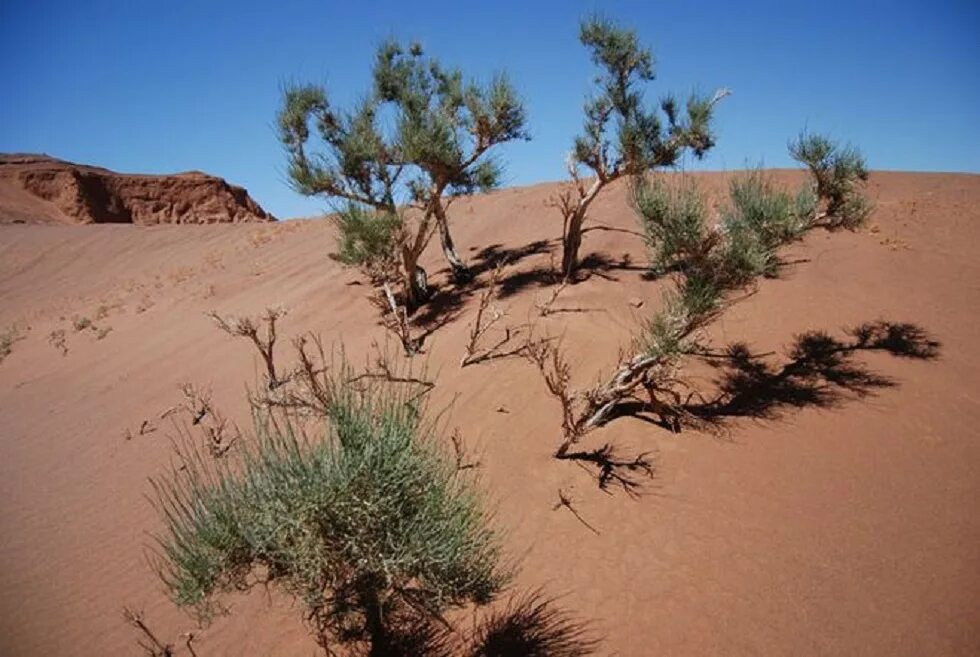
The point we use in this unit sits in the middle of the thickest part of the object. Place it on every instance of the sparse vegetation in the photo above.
(81, 323)
(7, 340)
(59, 340)
(360, 516)
(395, 185)
(708, 262)
(622, 136)
(839, 174)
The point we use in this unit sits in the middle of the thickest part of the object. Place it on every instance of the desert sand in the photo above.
(849, 528)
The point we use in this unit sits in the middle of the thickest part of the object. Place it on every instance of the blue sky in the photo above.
(171, 86)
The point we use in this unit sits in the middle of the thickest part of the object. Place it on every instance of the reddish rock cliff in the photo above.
(41, 189)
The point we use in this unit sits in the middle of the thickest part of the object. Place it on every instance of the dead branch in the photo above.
(394, 317)
(548, 358)
(248, 327)
(547, 308)
(219, 434)
(460, 450)
(155, 647)
(487, 315)
(312, 390)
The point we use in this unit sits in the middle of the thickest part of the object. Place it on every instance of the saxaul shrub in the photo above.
(622, 134)
(839, 177)
(359, 515)
(395, 162)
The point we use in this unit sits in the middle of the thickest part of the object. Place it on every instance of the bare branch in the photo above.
(487, 316)
(248, 327)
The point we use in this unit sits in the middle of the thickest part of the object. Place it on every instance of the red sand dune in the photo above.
(42, 189)
(850, 530)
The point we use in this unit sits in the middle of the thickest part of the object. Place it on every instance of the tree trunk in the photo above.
(571, 244)
(460, 272)
(572, 239)
(415, 281)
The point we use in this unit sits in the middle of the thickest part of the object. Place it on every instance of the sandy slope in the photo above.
(847, 530)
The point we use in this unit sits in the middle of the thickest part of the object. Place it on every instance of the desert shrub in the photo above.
(361, 517)
(674, 222)
(839, 174)
(623, 135)
(758, 219)
(421, 137)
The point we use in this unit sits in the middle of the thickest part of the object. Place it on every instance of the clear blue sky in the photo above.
(177, 85)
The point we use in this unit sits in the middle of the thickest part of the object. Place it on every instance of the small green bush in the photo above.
(758, 219)
(673, 219)
(367, 522)
(839, 174)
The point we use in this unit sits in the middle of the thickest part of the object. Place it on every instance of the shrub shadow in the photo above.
(822, 371)
(529, 625)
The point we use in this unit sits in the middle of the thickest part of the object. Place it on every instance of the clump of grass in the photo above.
(361, 516)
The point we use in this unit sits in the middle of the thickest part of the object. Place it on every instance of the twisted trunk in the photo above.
(460, 272)
(572, 237)
(415, 282)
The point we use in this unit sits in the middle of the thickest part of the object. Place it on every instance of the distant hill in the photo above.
(42, 189)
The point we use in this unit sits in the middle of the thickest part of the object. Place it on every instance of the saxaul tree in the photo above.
(622, 135)
(395, 162)
(708, 262)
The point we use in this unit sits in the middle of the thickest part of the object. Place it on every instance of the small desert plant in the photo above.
(759, 219)
(81, 323)
(7, 340)
(839, 174)
(59, 340)
(622, 136)
(365, 520)
(674, 222)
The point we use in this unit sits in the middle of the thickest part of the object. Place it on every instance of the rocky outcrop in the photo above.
(41, 189)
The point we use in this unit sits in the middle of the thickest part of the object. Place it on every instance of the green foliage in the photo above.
(691, 304)
(621, 134)
(673, 219)
(758, 220)
(445, 124)
(442, 128)
(366, 523)
(421, 137)
(839, 174)
(366, 238)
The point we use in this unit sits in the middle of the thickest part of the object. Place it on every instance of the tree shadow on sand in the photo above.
(822, 371)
